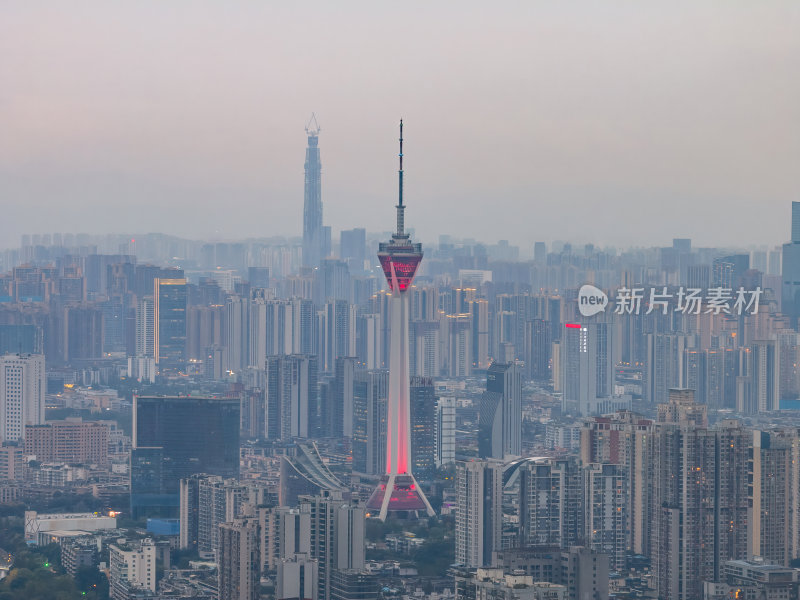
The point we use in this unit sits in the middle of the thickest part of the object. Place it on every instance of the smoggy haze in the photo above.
(618, 123)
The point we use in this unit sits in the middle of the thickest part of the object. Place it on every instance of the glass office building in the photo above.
(174, 438)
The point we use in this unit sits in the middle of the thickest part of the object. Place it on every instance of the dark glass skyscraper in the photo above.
(21, 339)
(500, 412)
(174, 438)
(312, 204)
(423, 421)
(790, 293)
(169, 305)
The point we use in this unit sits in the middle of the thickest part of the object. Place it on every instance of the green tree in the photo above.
(93, 582)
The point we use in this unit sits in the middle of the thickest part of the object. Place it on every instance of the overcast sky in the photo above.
(606, 122)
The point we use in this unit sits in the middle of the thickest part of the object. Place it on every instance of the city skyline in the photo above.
(549, 124)
(572, 372)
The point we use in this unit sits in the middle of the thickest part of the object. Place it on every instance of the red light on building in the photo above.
(399, 270)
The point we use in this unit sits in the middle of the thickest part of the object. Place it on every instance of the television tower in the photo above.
(398, 491)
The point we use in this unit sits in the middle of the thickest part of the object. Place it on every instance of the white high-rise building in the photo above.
(337, 536)
(145, 327)
(445, 431)
(130, 567)
(587, 368)
(22, 387)
(479, 511)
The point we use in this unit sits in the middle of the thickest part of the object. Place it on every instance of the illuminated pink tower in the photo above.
(398, 491)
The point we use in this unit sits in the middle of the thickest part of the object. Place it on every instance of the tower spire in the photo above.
(313, 127)
(400, 208)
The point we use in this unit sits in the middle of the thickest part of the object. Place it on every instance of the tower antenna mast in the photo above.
(400, 208)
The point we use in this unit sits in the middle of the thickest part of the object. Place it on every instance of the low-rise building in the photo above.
(496, 584)
(36, 523)
(753, 579)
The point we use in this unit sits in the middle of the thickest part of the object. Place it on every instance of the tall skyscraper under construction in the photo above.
(398, 491)
(313, 232)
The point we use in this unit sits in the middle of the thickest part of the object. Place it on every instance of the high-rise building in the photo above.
(237, 315)
(368, 341)
(682, 409)
(205, 502)
(370, 400)
(458, 338)
(71, 441)
(500, 412)
(664, 365)
(425, 348)
(291, 396)
(342, 413)
(539, 252)
(423, 423)
(340, 333)
(297, 578)
(332, 281)
(21, 339)
(771, 532)
(169, 325)
(479, 511)
(22, 389)
(145, 327)
(11, 464)
(239, 559)
(587, 367)
(175, 438)
(283, 532)
(699, 504)
(399, 258)
(551, 502)
(82, 332)
(479, 313)
(727, 271)
(760, 388)
(623, 439)
(539, 346)
(445, 431)
(352, 584)
(131, 568)
(353, 248)
(606, 505)
(790, 270)
(337, 536)
(189, 512)
(258, 277)
(312, 203)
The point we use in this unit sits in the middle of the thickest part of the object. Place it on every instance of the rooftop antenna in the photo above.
(400, 208)
(313, 127)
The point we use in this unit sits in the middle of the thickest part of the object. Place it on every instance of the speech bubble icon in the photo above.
(591, 300)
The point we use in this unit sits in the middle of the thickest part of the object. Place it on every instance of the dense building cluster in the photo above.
(540, 423)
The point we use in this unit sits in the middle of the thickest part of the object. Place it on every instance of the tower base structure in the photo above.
(398, 493)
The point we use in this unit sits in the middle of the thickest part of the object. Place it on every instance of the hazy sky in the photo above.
(606, 122)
